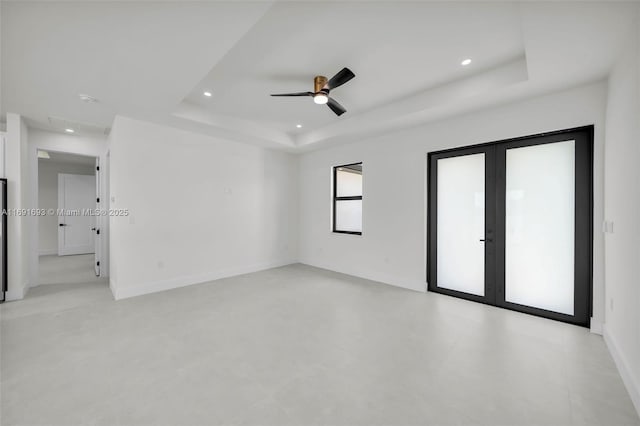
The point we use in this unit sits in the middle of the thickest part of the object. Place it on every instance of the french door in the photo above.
(510, 224)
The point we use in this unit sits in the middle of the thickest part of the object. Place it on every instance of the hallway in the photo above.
(67, 269)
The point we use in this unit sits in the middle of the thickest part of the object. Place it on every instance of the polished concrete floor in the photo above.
(56, 269)
(296, 346)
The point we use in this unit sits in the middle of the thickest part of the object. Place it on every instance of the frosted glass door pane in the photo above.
(461, 223)
(349, 215)
(539, 244)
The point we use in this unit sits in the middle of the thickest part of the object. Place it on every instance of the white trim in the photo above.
(61, 205)
(156, 286)
(2, 154)
(406, 283)
(596, 326)
(113, 287)
(75, 250)
(47, 252)
(97, 239)
(633, 387)
(16, 294)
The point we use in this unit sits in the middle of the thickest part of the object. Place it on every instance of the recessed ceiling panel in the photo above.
(394, 49)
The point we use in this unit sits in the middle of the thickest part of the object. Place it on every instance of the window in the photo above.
(347, 199)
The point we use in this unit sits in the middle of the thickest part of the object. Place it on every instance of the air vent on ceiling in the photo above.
(87, 98)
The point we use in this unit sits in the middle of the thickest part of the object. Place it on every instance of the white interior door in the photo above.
(76, 195)
(96, 228)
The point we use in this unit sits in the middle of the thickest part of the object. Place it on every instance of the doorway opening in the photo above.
(511, 224)
(69, 239)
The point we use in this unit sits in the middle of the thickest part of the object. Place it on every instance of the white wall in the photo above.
(392, 246)
(92, 146)
(3, 137)
(622, 207)
(48, 171)
(16, 154)
(201, 208)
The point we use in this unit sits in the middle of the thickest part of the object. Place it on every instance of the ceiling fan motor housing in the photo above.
(319, 82)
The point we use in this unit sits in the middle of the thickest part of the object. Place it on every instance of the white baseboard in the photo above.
(112, 287)
(15, 294)
(48, 252)
(596, 327)
(120, 292)
(633, 387)
(70, 251)
(409, 284)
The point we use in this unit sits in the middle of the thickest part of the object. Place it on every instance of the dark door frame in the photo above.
(495, 166)
(3, 252)
(489, 215)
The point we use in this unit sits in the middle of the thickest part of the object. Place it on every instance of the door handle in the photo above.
(62, 224)
(489, 240)
(93, 229)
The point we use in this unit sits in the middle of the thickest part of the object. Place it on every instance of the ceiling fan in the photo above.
(322, 87)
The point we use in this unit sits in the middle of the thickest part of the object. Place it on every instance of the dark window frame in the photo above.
(336, 198)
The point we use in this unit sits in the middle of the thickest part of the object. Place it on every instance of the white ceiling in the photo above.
(394, 51)
(153, 61)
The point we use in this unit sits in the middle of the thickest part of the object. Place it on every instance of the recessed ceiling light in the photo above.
(69, 130)
(465, 62)
(299, 126)
(208, 94)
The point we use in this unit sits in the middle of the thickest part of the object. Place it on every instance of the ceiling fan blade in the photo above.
(336, 107)
(294, 94)
(339, 79)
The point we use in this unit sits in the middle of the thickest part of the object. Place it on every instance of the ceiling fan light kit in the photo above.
(322, 87)
(320, 98)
